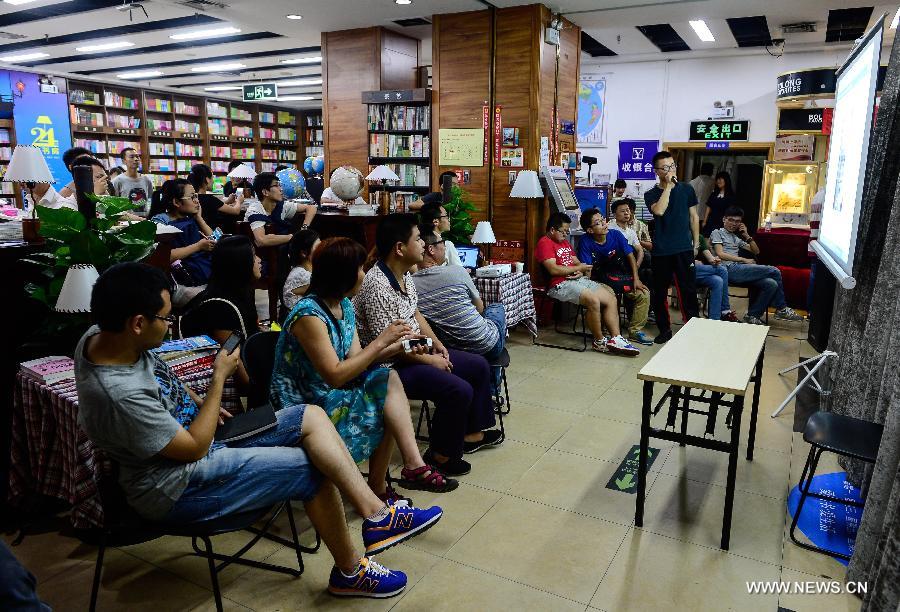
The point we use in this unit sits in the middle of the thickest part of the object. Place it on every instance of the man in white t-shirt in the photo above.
(435, 215)
(48, 197)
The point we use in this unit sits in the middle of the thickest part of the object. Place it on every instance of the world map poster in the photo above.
(592, 111)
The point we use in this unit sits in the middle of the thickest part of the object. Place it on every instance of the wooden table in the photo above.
(719, 357)
(331, 223)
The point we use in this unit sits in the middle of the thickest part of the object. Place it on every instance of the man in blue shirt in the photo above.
(614, 266)
(675, 243)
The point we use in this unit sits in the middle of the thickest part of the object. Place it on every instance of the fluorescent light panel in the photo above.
(219, 67)
(122, 44)
(139, 74)
(702, 31)
(294, 98)
(23, 57)
(211, 33)
(298, 82)
(18, 2)
(294, 16)
(303, 60)
(895, 19)
(223, 88)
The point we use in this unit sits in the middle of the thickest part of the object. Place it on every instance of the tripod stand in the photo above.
(819, 361)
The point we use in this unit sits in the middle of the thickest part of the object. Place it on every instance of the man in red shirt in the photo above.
(570, 282)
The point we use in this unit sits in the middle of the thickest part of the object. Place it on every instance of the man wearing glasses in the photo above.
(675, 243)
(434, 214)
(271, 207)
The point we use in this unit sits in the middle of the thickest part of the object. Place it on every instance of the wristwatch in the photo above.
(304, 226)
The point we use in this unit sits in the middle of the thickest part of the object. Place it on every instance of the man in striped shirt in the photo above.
(451, 303)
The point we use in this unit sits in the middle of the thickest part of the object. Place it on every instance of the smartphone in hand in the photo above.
(233, 342)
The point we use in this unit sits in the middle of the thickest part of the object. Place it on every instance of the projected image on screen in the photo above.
(851, 128)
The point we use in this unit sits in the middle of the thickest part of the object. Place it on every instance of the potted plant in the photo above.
(458, 211)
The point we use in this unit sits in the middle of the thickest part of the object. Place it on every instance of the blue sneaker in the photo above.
(641, 338)
(370, 580)
(401, 523)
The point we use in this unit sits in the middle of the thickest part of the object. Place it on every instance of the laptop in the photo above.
(469, 256)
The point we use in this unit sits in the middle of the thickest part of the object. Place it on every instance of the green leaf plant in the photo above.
(459, 210)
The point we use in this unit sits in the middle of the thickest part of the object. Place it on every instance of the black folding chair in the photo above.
(557, 310)
(258, 355)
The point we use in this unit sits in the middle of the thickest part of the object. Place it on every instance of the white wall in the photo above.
(658, 100)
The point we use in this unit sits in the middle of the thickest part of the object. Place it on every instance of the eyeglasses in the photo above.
(564, 232)
(191, 197)
(435, 243)
(168, 319)
(667, 167)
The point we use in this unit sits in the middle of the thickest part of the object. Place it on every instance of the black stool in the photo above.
(842, 435)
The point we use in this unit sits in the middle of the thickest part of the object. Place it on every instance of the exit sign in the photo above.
(719, 130)
(260, 91)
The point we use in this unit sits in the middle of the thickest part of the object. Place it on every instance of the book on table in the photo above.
(49, 370)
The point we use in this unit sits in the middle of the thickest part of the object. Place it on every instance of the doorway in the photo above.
(743, 161)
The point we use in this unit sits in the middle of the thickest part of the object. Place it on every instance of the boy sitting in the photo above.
(614, 266)
(728, 241)
(569, 283)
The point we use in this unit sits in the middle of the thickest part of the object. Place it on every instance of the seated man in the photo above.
(435, 197)
(728, 241)
(614, 266)
(272, 208)
(711, 274)
(172, 470)
(569, 282)
(623, 221)
(435, 217)
(458, 382)
(448, 299)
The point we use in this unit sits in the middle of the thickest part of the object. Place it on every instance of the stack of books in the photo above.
(190, 358)
(49, 370)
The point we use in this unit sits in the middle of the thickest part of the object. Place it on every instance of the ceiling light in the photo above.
(223, 88)
(139, 74)
(219, 67)
(895, 19)
(18, 2)
(403, 1)
(702, 31)
(122, 44)
(294, 16)
(294, 98)
(23, 57)
(303, 60)
(298, 82)
(197, 34)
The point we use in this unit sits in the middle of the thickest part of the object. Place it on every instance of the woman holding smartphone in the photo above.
(319, 360)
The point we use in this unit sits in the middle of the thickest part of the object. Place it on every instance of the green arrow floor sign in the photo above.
(625, 477)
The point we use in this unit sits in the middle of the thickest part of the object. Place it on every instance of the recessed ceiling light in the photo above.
(293, 98)
(895, 19)
(403, 1)
(18, 2)
(223, 88)
(298, 82)
(702, 31)
(303, 60)
(219, 67)
(294, 16)
(139, 74)
(197, 34)
(23, 57)
(122, 44)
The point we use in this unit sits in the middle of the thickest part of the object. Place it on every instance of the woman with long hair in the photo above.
(216, 212)
(178, 205)
(319, 360)
(719, 201)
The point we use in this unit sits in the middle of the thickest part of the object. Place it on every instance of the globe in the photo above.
(292, 183)
(346, 183)
(314, 165)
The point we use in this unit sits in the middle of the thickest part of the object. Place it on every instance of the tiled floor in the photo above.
(533, 526)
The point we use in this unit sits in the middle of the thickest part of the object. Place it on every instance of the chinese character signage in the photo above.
(260, 91)
(42, 119)
(720, 129)
(635, 159)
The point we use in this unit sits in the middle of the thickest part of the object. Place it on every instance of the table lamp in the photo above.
(75, 295)
(527, 185)
(28, 166)
(242, 171)
(383, 174)
(484, 234)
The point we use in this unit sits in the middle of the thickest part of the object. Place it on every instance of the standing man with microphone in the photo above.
(675, 243)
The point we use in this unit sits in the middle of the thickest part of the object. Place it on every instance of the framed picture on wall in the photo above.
(591, 128)
(512, 157)
(510, 137)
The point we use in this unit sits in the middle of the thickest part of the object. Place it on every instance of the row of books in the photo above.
(4, 136)
(187, 126)
(162, 165)
(280, 154)
(94, 146)
(266, 117)
(123, 121)
(5, 153)
(184, 165)
(279, 134)
(218, 127)
(286, 118)
(411, 174)
(183, 108)
(116, 146)
(84, 96)
(159, 105)
(243, 153)
(218, 165)
(188, 150)
(243, 131)
(214, 109)
(163, 125)
(241, 114)
(112, 98)
(217, 151)
(315, 151)
(162, 148)
(395, 145)
(400, 200)
(395, 117)
(82, 116)
(313, 120)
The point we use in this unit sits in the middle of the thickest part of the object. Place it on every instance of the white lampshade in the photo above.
(76, 290)
(382, 173)
(484, 233)
(527, 185)
(242, 172)
(28, 166)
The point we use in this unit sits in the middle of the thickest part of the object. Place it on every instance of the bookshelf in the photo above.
(7, 144)
(313, 134)
(399, 136)
(278, 138)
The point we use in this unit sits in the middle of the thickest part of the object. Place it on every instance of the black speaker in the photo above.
(822, 307)
(84, 184)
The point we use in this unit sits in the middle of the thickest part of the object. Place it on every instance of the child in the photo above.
(300, 253)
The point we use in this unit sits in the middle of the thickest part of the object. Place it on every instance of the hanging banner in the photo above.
(486, 126)
(498, 134)
(42, 119)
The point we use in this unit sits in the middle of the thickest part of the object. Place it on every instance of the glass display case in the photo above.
(788, 189)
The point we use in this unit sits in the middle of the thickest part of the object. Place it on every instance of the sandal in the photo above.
(392, 498)
(426, 478)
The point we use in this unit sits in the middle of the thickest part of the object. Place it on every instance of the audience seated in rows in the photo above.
(744, 271)
(319, 359)
(450, 302)
(216, 212)
(272, 209)
(178, 205)
(570, 282)
(458, 382)
(300, 252)
(161, 434)
(713, 275)
(435, 216)
(624, 222)
(614, 266)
